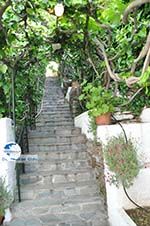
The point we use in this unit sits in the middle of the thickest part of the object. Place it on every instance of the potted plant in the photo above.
(5, 199)
(100, 103)
(121, 158)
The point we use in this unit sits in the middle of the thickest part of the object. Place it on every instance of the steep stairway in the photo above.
(60, 189)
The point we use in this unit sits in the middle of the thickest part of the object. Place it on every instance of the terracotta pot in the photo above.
(1, 219)
(104, 119)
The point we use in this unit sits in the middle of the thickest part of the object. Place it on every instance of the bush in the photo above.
(5, 197)
(121, 158)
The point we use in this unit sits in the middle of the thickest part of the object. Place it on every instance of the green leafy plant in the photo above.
(5, 197)
(98, 100)
(145, 80)
(121, 158)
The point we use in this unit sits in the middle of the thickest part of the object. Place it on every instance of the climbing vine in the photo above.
(100, 40)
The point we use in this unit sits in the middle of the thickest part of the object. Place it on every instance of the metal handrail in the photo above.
(20, 141)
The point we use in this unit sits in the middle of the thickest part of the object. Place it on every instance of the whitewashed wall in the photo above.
(7, 168)
(82, 121)
(139, 192)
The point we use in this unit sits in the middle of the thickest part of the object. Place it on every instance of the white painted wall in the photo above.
(7, 168)
(82, 121)
(139, 192)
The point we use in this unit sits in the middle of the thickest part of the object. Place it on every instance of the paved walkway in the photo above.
(60, 189)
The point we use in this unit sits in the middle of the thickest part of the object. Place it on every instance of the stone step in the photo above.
(54, 97)
(56, 111)
(53, 140)
(68, 164)
(80, 206)
(54, 105)
(53, 88)
(54, 117)
(54, 124)
(58, 156)
(57, 176)
(34, 192)
(55, 101)
(59, 119)
(53, 128)
(55, 114)
(58, 107)
(76, 216)
(57, 132)
(54, 120)
(54, 108)
(50, 202)
(62, 104)
(53, 135)
(66, 113)
(57, 147)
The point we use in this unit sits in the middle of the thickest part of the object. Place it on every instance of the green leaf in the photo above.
(74, 2)
(3, 68)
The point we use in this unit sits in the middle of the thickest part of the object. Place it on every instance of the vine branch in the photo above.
(142, 54)
(146, 62)
(131, 7)
(100, 45)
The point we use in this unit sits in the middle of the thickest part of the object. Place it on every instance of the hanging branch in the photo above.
(145, 50)
(131, 7)
(92, 64)
(146, 62)
(86, 33)
(132, 80)
(132, 97)
(112, 75)
(142, 54)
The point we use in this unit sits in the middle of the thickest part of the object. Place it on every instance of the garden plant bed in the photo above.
(140, 216)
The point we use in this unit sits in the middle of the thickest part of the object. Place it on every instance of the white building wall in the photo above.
(7, 168)
(139, 192)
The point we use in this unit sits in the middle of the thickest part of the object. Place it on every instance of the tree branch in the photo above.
(135, 4)
(142, 54)
(146, 62)
(114, 76)
(86, 33)
(132, 97)
(92, 64)
(132, 80)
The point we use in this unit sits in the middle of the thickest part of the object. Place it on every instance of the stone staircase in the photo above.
(60, 189)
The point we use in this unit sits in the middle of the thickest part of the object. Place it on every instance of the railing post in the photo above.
(26, 131)
(13, 99)
(18, 181)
